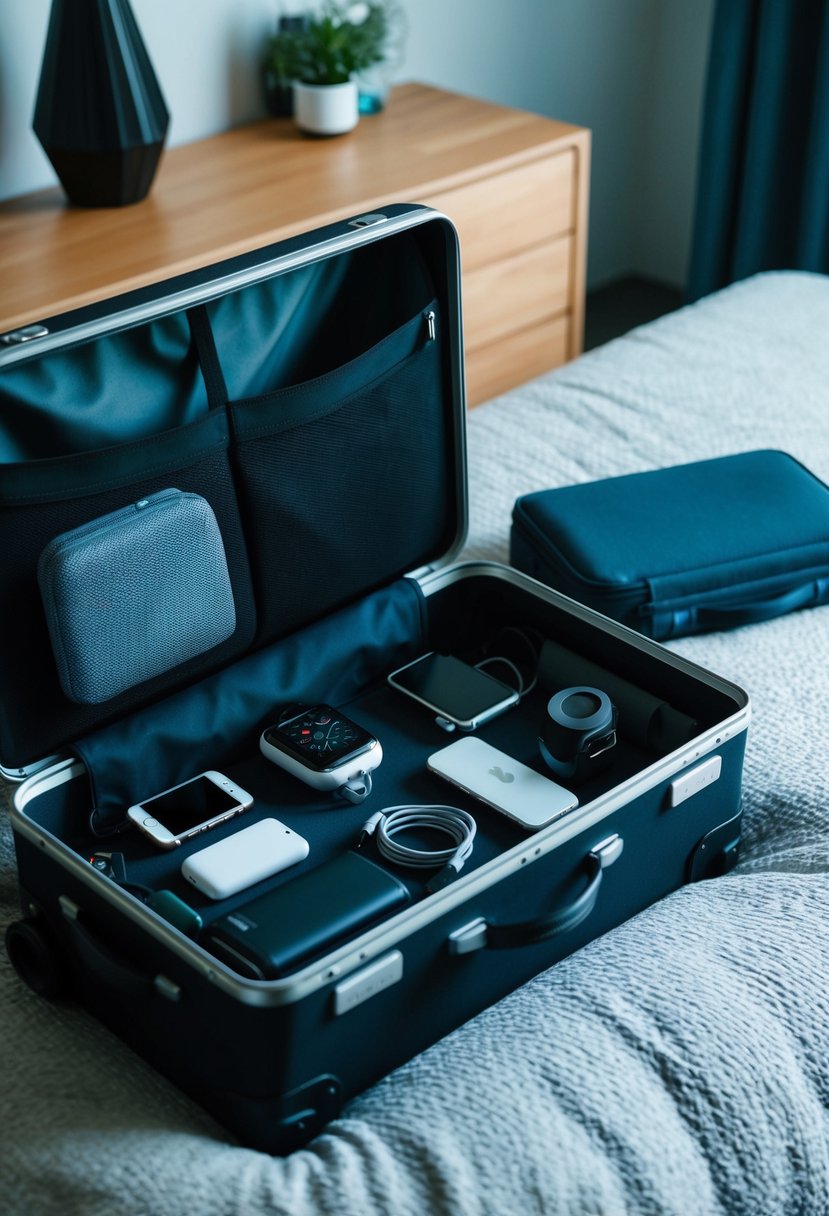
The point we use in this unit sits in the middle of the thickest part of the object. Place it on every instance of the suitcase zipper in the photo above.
(431, 328)
(105, 523)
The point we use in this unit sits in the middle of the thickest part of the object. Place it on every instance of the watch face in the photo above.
(320, 737)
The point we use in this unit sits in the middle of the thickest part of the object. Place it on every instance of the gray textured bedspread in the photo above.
(678, 1065)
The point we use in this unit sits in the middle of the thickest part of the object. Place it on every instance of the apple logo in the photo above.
(498, 772)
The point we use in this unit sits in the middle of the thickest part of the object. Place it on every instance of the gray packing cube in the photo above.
(153, 573)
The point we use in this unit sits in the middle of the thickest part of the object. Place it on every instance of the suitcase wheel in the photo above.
(718, 851)
(35, 958)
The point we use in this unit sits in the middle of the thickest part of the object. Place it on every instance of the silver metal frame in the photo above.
(352, 236)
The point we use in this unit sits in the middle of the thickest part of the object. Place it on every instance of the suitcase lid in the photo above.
(313, 393)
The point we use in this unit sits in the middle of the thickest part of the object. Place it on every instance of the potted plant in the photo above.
(323, 57)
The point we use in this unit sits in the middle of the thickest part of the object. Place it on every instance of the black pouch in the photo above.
(710, 545)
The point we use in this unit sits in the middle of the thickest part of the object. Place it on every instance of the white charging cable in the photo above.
(387, 825)
(497, 658)
(534, 650)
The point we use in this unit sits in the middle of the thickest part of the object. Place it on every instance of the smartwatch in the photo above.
(323, 748)
(578, 733)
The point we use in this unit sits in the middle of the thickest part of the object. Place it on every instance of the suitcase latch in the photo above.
(690, 783)
(609, 850)
(368, 982)
(368, 221)
(28, 333)
(469, 937)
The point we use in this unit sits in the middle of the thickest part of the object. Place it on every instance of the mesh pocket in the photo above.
(344, 478)
(42, 499)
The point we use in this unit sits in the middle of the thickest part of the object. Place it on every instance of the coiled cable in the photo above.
(388, 825)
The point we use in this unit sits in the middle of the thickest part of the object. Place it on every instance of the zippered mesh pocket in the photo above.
(343, 477)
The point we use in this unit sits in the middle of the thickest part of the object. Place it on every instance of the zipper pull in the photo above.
(431, 329)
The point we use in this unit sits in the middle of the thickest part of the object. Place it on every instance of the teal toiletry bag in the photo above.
(697, 547)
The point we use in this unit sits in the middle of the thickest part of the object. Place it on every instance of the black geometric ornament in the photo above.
(99, 115)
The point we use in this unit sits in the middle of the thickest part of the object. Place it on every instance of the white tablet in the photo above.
(519, 792)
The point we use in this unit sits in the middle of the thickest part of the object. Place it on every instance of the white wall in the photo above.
(672, 110)
(577, 60)
(631, 70)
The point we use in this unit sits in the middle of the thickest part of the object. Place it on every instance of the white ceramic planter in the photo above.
(326, 109)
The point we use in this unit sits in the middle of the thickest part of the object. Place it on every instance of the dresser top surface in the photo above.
(249, 187)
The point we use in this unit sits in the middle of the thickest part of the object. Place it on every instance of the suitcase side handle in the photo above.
(106, 966)
(481, 933)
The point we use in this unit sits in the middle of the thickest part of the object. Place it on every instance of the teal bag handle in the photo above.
(729, 616)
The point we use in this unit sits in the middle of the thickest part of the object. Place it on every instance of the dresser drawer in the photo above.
(508, 212)
(516, 292)
(495, 369)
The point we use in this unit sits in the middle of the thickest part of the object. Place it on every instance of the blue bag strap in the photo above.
(729, 616)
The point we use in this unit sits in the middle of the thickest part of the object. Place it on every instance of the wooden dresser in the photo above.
(515, 184)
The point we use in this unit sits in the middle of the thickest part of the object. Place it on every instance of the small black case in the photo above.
(278, 931)
(709, 545)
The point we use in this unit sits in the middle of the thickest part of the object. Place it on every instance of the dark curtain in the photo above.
(763, 175)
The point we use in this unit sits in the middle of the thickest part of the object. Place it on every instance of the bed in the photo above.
(677, 1065)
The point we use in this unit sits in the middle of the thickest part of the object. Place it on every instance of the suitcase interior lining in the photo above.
(145, 380)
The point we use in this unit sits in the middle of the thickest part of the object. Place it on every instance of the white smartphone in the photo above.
(519, 792)
(187, 809)
(244, 858)
(463, 695)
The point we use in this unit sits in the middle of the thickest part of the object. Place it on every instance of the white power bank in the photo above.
(515, 790)
(244, 858)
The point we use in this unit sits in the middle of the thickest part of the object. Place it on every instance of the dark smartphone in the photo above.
(454, 690)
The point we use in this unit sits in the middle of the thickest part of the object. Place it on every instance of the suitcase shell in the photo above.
(274, 1060)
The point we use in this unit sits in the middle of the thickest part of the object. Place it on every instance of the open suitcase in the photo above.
(312, 394)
